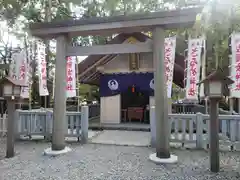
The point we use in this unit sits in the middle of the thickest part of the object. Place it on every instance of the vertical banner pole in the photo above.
(45, 102)
(77, 84)
(29, 75)
(202, 95)
(185, 64)
(231, 100)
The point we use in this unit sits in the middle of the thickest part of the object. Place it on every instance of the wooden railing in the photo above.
(29, 123)
(195, 128)
(193, 109)
(183, 128)
(39, 121)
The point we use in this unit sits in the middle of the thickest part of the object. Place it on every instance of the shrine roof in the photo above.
(86, 67)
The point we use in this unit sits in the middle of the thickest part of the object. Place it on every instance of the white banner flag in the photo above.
(169, 58)
(71, 77)
(235, 65)
(193, 68)
(43, 91)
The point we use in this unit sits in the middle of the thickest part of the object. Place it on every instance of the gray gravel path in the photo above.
(108, 162)
(2, 147)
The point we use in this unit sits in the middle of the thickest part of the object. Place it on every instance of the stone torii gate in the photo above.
(156, 22)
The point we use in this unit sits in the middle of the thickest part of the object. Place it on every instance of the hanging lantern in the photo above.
(133, 89)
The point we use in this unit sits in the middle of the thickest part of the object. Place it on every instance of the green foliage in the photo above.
(32, 14)
(216, 24)
(177, 93)
(11, 9)
(88, 92)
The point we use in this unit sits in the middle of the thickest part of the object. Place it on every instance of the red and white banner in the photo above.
(193, 68)
(235, 65)
(169, 58)
(71, 77)
(42, 69)
(23, 74)
(18, 70)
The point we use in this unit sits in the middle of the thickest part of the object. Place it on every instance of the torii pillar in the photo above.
(59, 111)
(162, 154)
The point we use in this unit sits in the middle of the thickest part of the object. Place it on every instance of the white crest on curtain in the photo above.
(113, 84)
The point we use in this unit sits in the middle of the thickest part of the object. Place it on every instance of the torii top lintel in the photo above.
(117, 24)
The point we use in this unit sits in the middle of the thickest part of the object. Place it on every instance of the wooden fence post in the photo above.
(199, 132)
(84, 124)
(49, 125)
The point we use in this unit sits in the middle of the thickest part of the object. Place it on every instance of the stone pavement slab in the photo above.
(140, 138)
(130, 138)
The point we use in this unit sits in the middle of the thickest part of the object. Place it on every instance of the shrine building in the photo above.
(126, 80)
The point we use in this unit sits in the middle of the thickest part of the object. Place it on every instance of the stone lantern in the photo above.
(215, 87)
(11, 90)
(215, 84)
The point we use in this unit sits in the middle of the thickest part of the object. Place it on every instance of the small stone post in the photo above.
(199, 132)
(153, 126)
(84, 124)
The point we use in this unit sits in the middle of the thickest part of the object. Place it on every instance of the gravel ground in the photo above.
(108, 162)
(2, 147)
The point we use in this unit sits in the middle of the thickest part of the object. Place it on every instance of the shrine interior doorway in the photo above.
(135, 106)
